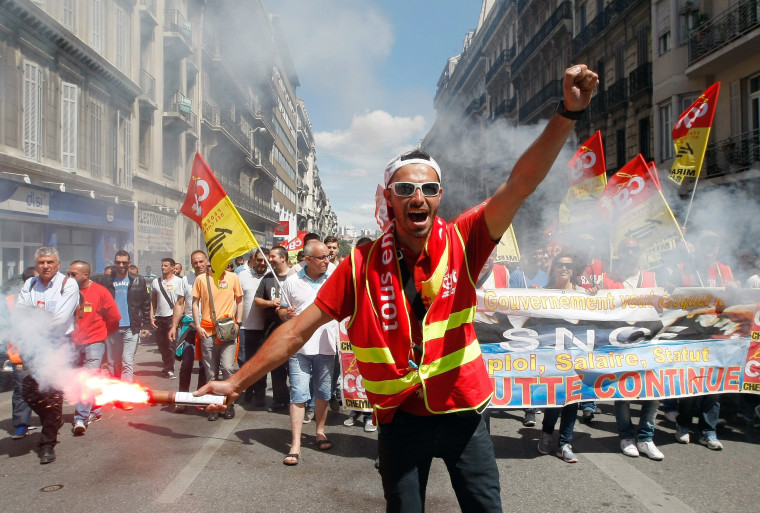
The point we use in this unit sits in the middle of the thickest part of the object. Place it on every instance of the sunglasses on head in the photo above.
(407, 189)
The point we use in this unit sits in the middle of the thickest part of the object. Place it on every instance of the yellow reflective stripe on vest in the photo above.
(452, 361)
(373, 354)
(392, 386)
(437, 329)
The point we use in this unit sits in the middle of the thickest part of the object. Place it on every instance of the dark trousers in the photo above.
(186, 365)
(407, 446)
(48, 405)
(22, 413)
(568, 412)
(252, 341)
(165, 346)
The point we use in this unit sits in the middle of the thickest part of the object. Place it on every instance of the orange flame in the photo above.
(106, 390)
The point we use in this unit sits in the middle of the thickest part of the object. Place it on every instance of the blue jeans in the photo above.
(646, 420)
(305, 369)
(121, 347)
(566, 424)
(88, 356)
(588, 405)
(407, 446)
(22, 413)
(709, 410)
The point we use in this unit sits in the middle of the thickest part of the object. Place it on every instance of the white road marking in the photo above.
(650, 494)
(187, 475)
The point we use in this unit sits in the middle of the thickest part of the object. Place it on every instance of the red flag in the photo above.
(627, 188)
(588, 161)
(690, 136)
(296, 243)
(226, 234)
(282, 229)
(203, 193)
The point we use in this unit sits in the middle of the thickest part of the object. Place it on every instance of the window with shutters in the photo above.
(122, 39)
(96, 138)
(96, 25)
(33, 100)
(69, 103)
(68, 14)
(128, 154)
(666, 125)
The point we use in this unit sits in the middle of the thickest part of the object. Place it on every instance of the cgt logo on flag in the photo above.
(224, 231)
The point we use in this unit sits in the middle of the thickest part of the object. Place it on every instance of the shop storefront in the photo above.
(81, 228)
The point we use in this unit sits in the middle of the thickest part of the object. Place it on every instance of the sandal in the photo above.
(291, 459)
(324, 444)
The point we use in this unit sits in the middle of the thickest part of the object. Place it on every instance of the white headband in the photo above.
(397, 162)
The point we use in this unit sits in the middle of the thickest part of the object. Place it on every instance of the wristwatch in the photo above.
(575, 115)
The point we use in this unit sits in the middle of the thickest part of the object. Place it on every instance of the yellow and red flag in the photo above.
(507, 250)
(226, 234)
(588, 177)
(690, 135)
(634, 206)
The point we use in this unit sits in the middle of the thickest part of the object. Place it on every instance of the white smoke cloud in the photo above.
(45, 354)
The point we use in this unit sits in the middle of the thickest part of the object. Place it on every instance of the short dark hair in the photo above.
(170, 260)
(198, 251)
(363, 240)
(122, 253)
(311, 236)
(280, 251)
(28, 273)
(330, 238)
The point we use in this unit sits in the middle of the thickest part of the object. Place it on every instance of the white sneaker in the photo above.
(566, 454)
(671, 416)
(682, 435)
(628, 446)
(650, 450)
(369, 426)
(79, 428)
(352, 418)
(711, 442)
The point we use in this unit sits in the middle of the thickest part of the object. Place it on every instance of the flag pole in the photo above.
(691, 201)
(269, 266)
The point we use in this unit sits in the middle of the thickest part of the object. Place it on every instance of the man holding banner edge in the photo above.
(439, 266)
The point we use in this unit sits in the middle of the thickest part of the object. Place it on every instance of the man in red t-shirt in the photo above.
(96, 317)
(440, 265)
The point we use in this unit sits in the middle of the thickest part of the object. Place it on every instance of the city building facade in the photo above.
(103, 106)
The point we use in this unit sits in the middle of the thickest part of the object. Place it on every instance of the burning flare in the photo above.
(105, 390)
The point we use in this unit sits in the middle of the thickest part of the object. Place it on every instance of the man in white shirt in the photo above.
(313, 363)
(163, 297)
(252, 330)
(59, 296)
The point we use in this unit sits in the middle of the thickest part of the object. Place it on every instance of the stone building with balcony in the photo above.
(614, 38)
(103, 105)
(698, 43)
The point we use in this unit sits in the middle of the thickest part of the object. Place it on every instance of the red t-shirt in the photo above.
(97, 316)
(337, 295)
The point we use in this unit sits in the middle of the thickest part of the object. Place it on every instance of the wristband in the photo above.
(575, 115)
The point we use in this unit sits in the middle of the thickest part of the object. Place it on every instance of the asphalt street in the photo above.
(152, 459)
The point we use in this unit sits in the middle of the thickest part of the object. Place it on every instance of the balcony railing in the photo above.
(175, 23)
(551, 90)
(179, 106)
(640, 79)
(504, 57)
(148, 85)
(505, 107)
(475, 105)
(245, 201)
(617, 94)
(563, 12)
(733, 155)
(258, 159)
(599, 24)
(723, 29)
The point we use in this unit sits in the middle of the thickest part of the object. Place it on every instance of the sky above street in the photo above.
(368, 72)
